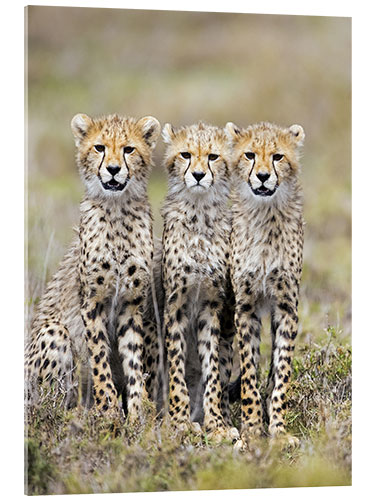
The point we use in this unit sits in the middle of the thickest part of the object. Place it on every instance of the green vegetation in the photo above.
(75, 451)
(182, 67)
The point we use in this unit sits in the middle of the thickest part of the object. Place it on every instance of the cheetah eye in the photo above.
(213, 157)
(99, 147)
(249, 155)
(277, 157)
(128, 150)
(186, 155)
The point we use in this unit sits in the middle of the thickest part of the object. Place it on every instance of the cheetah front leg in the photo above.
(151, 359)
(93, 316)
(248, 326)
(130, 335)
(176, 323)
(284, 326)
(208, 350)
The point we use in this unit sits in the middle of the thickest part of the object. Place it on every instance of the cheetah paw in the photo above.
(221, 433)
(234, 435)
(240, 445)
(285, 440)
(247, 438)
(196, 428)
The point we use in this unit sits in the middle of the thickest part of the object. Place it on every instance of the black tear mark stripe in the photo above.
(210, 169)
(252, 168)
(274, 169)
(101, 163)
(126, 164)
(187, 167)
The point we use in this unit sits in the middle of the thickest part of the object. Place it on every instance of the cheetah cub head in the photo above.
(196, 159)
(114, 153)
(265, 157)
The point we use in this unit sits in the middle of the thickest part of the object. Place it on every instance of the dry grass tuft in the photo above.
(76, 451)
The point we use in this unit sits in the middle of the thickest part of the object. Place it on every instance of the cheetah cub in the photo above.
(95, 311)
(195, 273)
(266, 260)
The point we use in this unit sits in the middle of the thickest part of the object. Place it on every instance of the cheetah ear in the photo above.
(232, 132)
(80, 125)
(168, 133)
(298, 134)
(150, 128)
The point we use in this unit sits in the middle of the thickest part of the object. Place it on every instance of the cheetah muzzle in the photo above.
(263, 190)
(114, 185)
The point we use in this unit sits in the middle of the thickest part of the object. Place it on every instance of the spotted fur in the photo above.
(195, 274)
(96, 313)
(266, 260)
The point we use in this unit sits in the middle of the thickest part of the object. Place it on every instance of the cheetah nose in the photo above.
(113, 170)
(198, 175)
(263, 176)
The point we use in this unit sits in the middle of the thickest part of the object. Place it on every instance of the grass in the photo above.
(75, 451)
(182, 67)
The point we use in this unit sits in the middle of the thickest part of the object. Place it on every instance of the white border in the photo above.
(291, 7)
(363, 246)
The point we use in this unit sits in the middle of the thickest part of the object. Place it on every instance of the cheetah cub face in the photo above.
(115, 153)
(196, 158)
(265, 156)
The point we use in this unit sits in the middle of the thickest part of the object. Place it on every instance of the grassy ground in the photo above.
(77, 452)
(184, 67)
